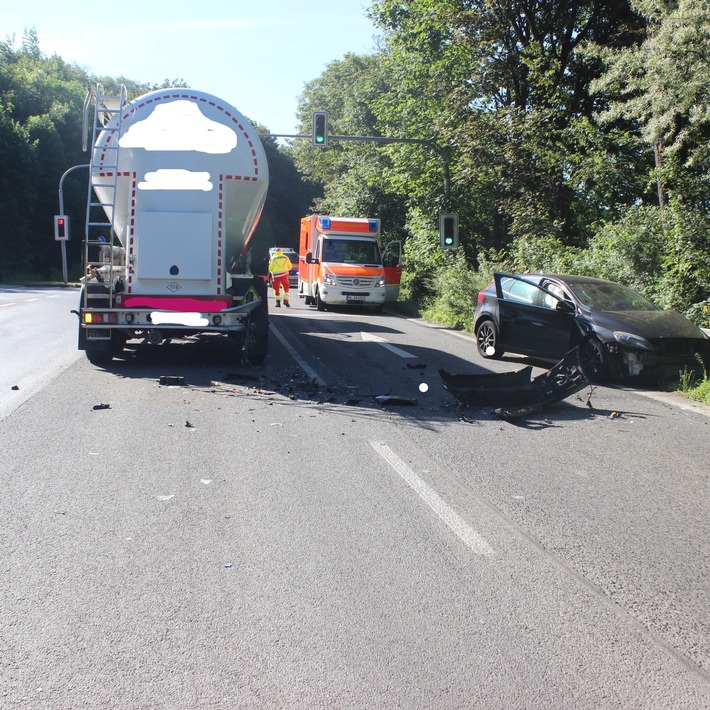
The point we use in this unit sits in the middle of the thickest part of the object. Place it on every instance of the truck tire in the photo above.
(97, 356)
(103, 351)
(320, 303)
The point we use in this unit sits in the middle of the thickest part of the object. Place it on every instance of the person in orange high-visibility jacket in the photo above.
(279, 266)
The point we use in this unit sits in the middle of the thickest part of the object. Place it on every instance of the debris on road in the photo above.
(395, 399)
(172, 380)
(101, 406)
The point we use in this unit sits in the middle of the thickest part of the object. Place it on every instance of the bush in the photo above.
(453, 292)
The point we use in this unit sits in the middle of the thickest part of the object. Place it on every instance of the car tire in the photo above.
(487, 339)
(595, 362)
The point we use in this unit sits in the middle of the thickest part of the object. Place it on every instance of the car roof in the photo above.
(567, 278)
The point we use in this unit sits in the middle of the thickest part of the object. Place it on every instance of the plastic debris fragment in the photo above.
(394, 399)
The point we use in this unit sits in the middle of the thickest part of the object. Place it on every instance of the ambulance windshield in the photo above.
(351, 251)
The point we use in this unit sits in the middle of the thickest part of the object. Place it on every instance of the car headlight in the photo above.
(630, 340)
(329, 280)
(380, 282)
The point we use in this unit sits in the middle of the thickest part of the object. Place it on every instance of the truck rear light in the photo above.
(91, 318)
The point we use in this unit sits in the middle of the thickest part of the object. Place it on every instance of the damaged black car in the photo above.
(621, 334)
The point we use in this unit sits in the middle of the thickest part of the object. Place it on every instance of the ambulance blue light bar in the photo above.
(372, 225)
(325, 222)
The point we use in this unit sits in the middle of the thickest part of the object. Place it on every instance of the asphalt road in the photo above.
(274, 537)
(38, 340)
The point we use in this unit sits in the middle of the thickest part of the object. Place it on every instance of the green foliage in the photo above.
(17, 181)
(663, 84)
(452, 294)
(693, 388)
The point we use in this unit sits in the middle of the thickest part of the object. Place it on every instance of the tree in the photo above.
(505, 85)
(664, 85)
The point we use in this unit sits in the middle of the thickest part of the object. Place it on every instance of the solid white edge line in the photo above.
(475, 542)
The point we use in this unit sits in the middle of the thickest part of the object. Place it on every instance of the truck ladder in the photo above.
(101, 242)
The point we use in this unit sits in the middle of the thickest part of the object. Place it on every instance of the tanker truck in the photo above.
(178, 180)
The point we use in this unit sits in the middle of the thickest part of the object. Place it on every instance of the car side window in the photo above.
(548, 299)
(519, 291)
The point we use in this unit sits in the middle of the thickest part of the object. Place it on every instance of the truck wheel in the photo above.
(98, 356)
(101, 352)
(320, 303)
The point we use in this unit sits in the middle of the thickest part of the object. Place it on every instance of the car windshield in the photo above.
(351, 251)
(608, 296)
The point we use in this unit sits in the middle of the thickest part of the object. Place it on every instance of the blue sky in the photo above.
(257, 56)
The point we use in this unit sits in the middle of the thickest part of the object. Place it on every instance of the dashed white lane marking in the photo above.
(301, 362)
(473, 540)
(369, 337)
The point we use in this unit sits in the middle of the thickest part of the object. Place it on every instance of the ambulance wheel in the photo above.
(320, 303)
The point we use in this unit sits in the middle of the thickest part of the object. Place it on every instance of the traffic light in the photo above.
(61, 227)
(320, 129)
(449, 231)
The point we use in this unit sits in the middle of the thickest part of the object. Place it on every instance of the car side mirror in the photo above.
(565, 306)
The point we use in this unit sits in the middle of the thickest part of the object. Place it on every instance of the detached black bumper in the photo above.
(516, 394)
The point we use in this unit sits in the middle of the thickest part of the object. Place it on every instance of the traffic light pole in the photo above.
(61, 211)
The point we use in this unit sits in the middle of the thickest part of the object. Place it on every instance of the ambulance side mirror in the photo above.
(309, 257)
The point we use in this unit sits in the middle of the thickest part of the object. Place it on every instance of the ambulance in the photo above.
(341, 263)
